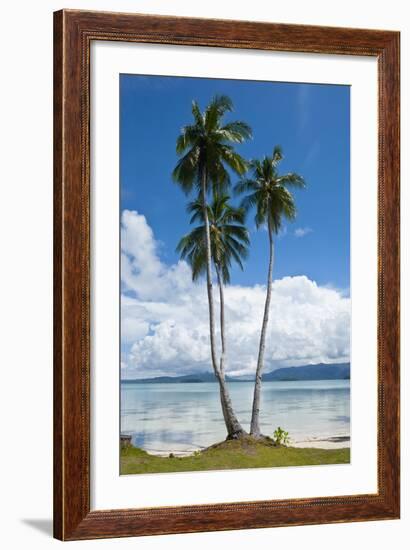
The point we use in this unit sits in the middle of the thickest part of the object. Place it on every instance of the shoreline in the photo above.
(318, 442)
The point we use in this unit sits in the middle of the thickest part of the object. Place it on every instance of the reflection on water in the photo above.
(182, 417)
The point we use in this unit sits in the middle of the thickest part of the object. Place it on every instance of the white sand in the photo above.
(334, 442)
(175, 452)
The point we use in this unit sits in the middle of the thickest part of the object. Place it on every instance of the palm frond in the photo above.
(235, 132)
(229, 237)
(266, 191)
(195, 208)
(245, 185)
(240, 249)
(217, 108)
(277, 155)
(226, 275)
(198, 264)
(206, 146)
(222, 103)
(186, 171)
(232, 252)
(292, 179)
(196, 113)
(232, 159)
(189, 137)
(238, 232)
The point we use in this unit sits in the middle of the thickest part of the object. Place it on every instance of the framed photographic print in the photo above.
(226, 336)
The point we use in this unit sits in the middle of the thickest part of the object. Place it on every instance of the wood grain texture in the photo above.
(58, 280)
(73, 33)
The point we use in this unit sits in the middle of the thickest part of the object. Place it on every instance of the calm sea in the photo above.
(183, 417)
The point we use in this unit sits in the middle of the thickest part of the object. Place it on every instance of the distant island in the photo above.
(322, 371)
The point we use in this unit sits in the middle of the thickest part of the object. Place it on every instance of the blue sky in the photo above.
(164, 319)
(312, 124)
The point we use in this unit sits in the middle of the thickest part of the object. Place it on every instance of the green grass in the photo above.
(228, 455)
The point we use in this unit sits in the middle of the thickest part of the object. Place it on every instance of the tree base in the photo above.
(259, 436)
(240, 434)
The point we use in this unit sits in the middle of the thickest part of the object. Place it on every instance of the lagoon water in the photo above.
(163, 418)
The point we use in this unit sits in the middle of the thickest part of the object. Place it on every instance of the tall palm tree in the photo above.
(207, 154)
(268, 194)
(229, 243)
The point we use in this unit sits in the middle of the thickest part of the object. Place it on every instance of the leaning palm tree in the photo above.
(268, 194)
(207, 154)
(229, 243)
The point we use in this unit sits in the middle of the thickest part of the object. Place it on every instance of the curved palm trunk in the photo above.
(236, 428)
(232, 424)
(255, 429)
(222, 320)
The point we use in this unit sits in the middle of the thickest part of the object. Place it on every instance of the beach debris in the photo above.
(125, 441)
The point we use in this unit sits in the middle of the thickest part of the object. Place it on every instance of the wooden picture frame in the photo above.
(73, 33)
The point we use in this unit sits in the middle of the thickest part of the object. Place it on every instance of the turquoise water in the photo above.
(183, 417)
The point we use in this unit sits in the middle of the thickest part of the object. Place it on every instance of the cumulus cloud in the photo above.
(302, 231)
(164, 316)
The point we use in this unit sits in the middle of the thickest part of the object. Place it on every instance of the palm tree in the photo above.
(229, 243)
(207, 155)
(268, 194)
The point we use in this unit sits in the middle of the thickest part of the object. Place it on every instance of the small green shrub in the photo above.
(280, 437)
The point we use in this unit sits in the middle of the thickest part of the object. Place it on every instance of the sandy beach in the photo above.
(326, 442)
(333, 442)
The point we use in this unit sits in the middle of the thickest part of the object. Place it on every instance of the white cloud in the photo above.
(132, 328)
(165, 328)
(302, 231)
